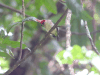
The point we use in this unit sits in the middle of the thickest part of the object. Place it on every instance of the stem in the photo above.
(90, 38)
(22, 27)
(12, 9)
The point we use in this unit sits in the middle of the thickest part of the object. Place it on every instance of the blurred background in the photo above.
(51, 58)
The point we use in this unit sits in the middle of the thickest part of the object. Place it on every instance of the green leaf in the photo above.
(74, 6)
(3, 54)
(3, 47)
(2, 33)
(60, 58)
(60, 54)
(38, 4)
(16, 18)
(13, 44)
(77, 52)
(50, 5)
(85, 16)
(4, 63)
(94, 69)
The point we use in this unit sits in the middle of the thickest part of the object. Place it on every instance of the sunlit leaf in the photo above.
(4, 63)
(60, 58)
(77, 52)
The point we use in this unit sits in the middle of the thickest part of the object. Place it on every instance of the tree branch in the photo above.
(90, 38)
(76, 33)
(39, 44)
(68, 32)
(68, 38)
(22, 27)
(15, 10)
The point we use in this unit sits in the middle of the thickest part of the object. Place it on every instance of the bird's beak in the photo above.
(37, 20)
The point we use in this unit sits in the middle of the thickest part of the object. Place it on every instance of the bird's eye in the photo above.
(43, 23)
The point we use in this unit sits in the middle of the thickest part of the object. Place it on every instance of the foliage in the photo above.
(42, 9)
(77, 53)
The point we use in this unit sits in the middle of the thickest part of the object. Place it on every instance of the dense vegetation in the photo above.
(67, 54)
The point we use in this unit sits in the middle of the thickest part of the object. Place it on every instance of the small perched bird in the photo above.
(48, 24)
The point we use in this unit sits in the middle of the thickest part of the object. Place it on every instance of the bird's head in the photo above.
(40, 21)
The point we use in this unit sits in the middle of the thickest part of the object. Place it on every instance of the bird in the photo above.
(48, 24)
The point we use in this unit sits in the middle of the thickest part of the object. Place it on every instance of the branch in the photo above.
(8, 7)
(39, 44)
(76, 33)
(90, 38)
(68, 38)
(22, 27)
(68, 32)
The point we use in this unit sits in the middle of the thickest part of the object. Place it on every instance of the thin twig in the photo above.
(76, 33)
(22, 27)
(15, 10)
(90, 38)
(39, 44)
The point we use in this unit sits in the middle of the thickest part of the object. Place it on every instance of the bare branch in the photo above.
(12, 9)
(90, 38)
(22, 27)
(39, 44)
(68, 26)
(77, 33)
(68, 38)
